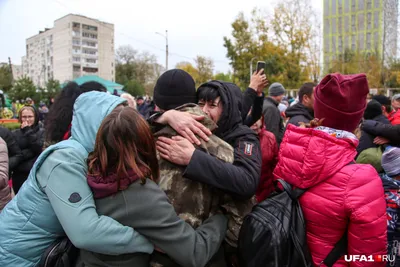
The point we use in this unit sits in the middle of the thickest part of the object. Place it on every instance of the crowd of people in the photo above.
(168, 181)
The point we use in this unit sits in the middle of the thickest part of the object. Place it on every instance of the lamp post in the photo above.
(166, 47)
(251, 65)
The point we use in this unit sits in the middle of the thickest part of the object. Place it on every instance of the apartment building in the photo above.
(364, 26)
(75, 46)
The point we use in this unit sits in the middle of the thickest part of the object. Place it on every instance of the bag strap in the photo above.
(338, 251)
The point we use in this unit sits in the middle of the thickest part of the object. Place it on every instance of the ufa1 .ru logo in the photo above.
(370, 258)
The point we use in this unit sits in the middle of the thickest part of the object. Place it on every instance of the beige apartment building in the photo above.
(75, 46)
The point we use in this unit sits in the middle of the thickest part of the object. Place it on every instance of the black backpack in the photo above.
(61, 253)
(274, 234)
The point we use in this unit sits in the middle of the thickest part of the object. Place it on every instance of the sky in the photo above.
(194, 27)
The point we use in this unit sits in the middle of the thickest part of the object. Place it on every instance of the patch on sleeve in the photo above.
(248, 149)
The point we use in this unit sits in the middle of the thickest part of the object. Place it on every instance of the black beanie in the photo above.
(374, 109)
(174, 88)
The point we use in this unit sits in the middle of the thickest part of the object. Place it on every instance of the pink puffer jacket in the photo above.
(5, 192)
(340, 195)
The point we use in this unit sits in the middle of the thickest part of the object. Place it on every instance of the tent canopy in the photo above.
(109, 85)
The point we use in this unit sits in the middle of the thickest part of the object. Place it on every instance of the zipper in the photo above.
(48, 256)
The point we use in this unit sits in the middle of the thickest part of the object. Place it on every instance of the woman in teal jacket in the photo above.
(56, 199)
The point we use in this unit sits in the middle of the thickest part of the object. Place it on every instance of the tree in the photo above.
(135, 67)
(226, 77)
(22, 89)
(205, 68)
(53, 87)
(126, 54)
(5, 78)
(134, 88)
(202, 72)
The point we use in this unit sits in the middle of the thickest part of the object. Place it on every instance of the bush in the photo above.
(11, 125)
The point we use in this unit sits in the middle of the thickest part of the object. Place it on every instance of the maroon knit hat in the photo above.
(341, 100)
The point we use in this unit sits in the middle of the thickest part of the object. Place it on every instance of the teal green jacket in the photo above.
(56, 199)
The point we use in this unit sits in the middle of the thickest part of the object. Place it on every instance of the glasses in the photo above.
(27, 117)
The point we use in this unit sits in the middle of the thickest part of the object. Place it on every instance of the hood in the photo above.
(310, 156)
(299, 109)
(35, 110)
(90, 109)
(232, 98)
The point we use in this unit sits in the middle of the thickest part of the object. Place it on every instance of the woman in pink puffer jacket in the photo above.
(342, 197)
(5, 192)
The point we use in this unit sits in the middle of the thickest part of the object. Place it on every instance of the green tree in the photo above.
(5, 78)
(226, 77)
(22, 89)
(205, 68)
(53, 87)
(134, 88)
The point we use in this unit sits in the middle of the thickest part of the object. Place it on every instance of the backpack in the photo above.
(274, 234)
(62, 253)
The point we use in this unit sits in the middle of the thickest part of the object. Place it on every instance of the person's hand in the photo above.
(24, 124)
(258, 82)
(177, 149)
(381, 140)
(187, 125)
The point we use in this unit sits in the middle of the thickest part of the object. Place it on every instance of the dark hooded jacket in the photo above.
(272, 118)
(388, 131)
(242, 177)
(299, 113)
(367, 139)
(30, 140)
(14, 152)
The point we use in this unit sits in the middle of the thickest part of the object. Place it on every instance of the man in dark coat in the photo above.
(272, 116)
(304, 110)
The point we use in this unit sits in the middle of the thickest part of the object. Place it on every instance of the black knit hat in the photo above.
(173, 89)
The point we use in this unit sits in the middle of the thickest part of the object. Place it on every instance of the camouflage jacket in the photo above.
(193, 201)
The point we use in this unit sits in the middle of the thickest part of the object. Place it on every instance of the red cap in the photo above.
(341, 100)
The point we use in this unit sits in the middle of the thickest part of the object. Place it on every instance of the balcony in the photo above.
(90, 65)
(76, 33)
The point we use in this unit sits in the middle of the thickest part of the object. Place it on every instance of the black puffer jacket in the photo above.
(242, 177)
(14, 152)
(299, 113)
(388, 131)
(30, 140)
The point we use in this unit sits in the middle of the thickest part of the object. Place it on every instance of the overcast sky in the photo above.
(194, 27)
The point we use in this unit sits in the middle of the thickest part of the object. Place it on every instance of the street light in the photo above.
(251, 65)
(166, 47)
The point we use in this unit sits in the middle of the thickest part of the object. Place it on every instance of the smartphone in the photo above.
(260, 65)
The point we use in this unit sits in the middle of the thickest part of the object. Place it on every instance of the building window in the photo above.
(89, 35)
(76, 51)
(346, 24)
(376, 20)
(88, 43)
(346, 42)
(112, 72)
(333, 8)
(377, 3)
(353, 42)
(76, 68)
(346, 6)
(340, 24)
(361, 41)
(360, 4)
(76, 59)
(76, 33)
(91, 70)
(90, 60)
(376, 37)
(333, 26)
(340, 44)
(340, 10)
(76, 25)
(76, 42)
(333, 44)
(361, 25)
(353, 23)
(369, 4)
(89, 52)
(369, 22)
(369, 41)
(326, 8)
(88, 27)
(112, 64)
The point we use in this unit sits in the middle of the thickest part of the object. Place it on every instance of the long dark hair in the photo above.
(60, 114)
(124, 143)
